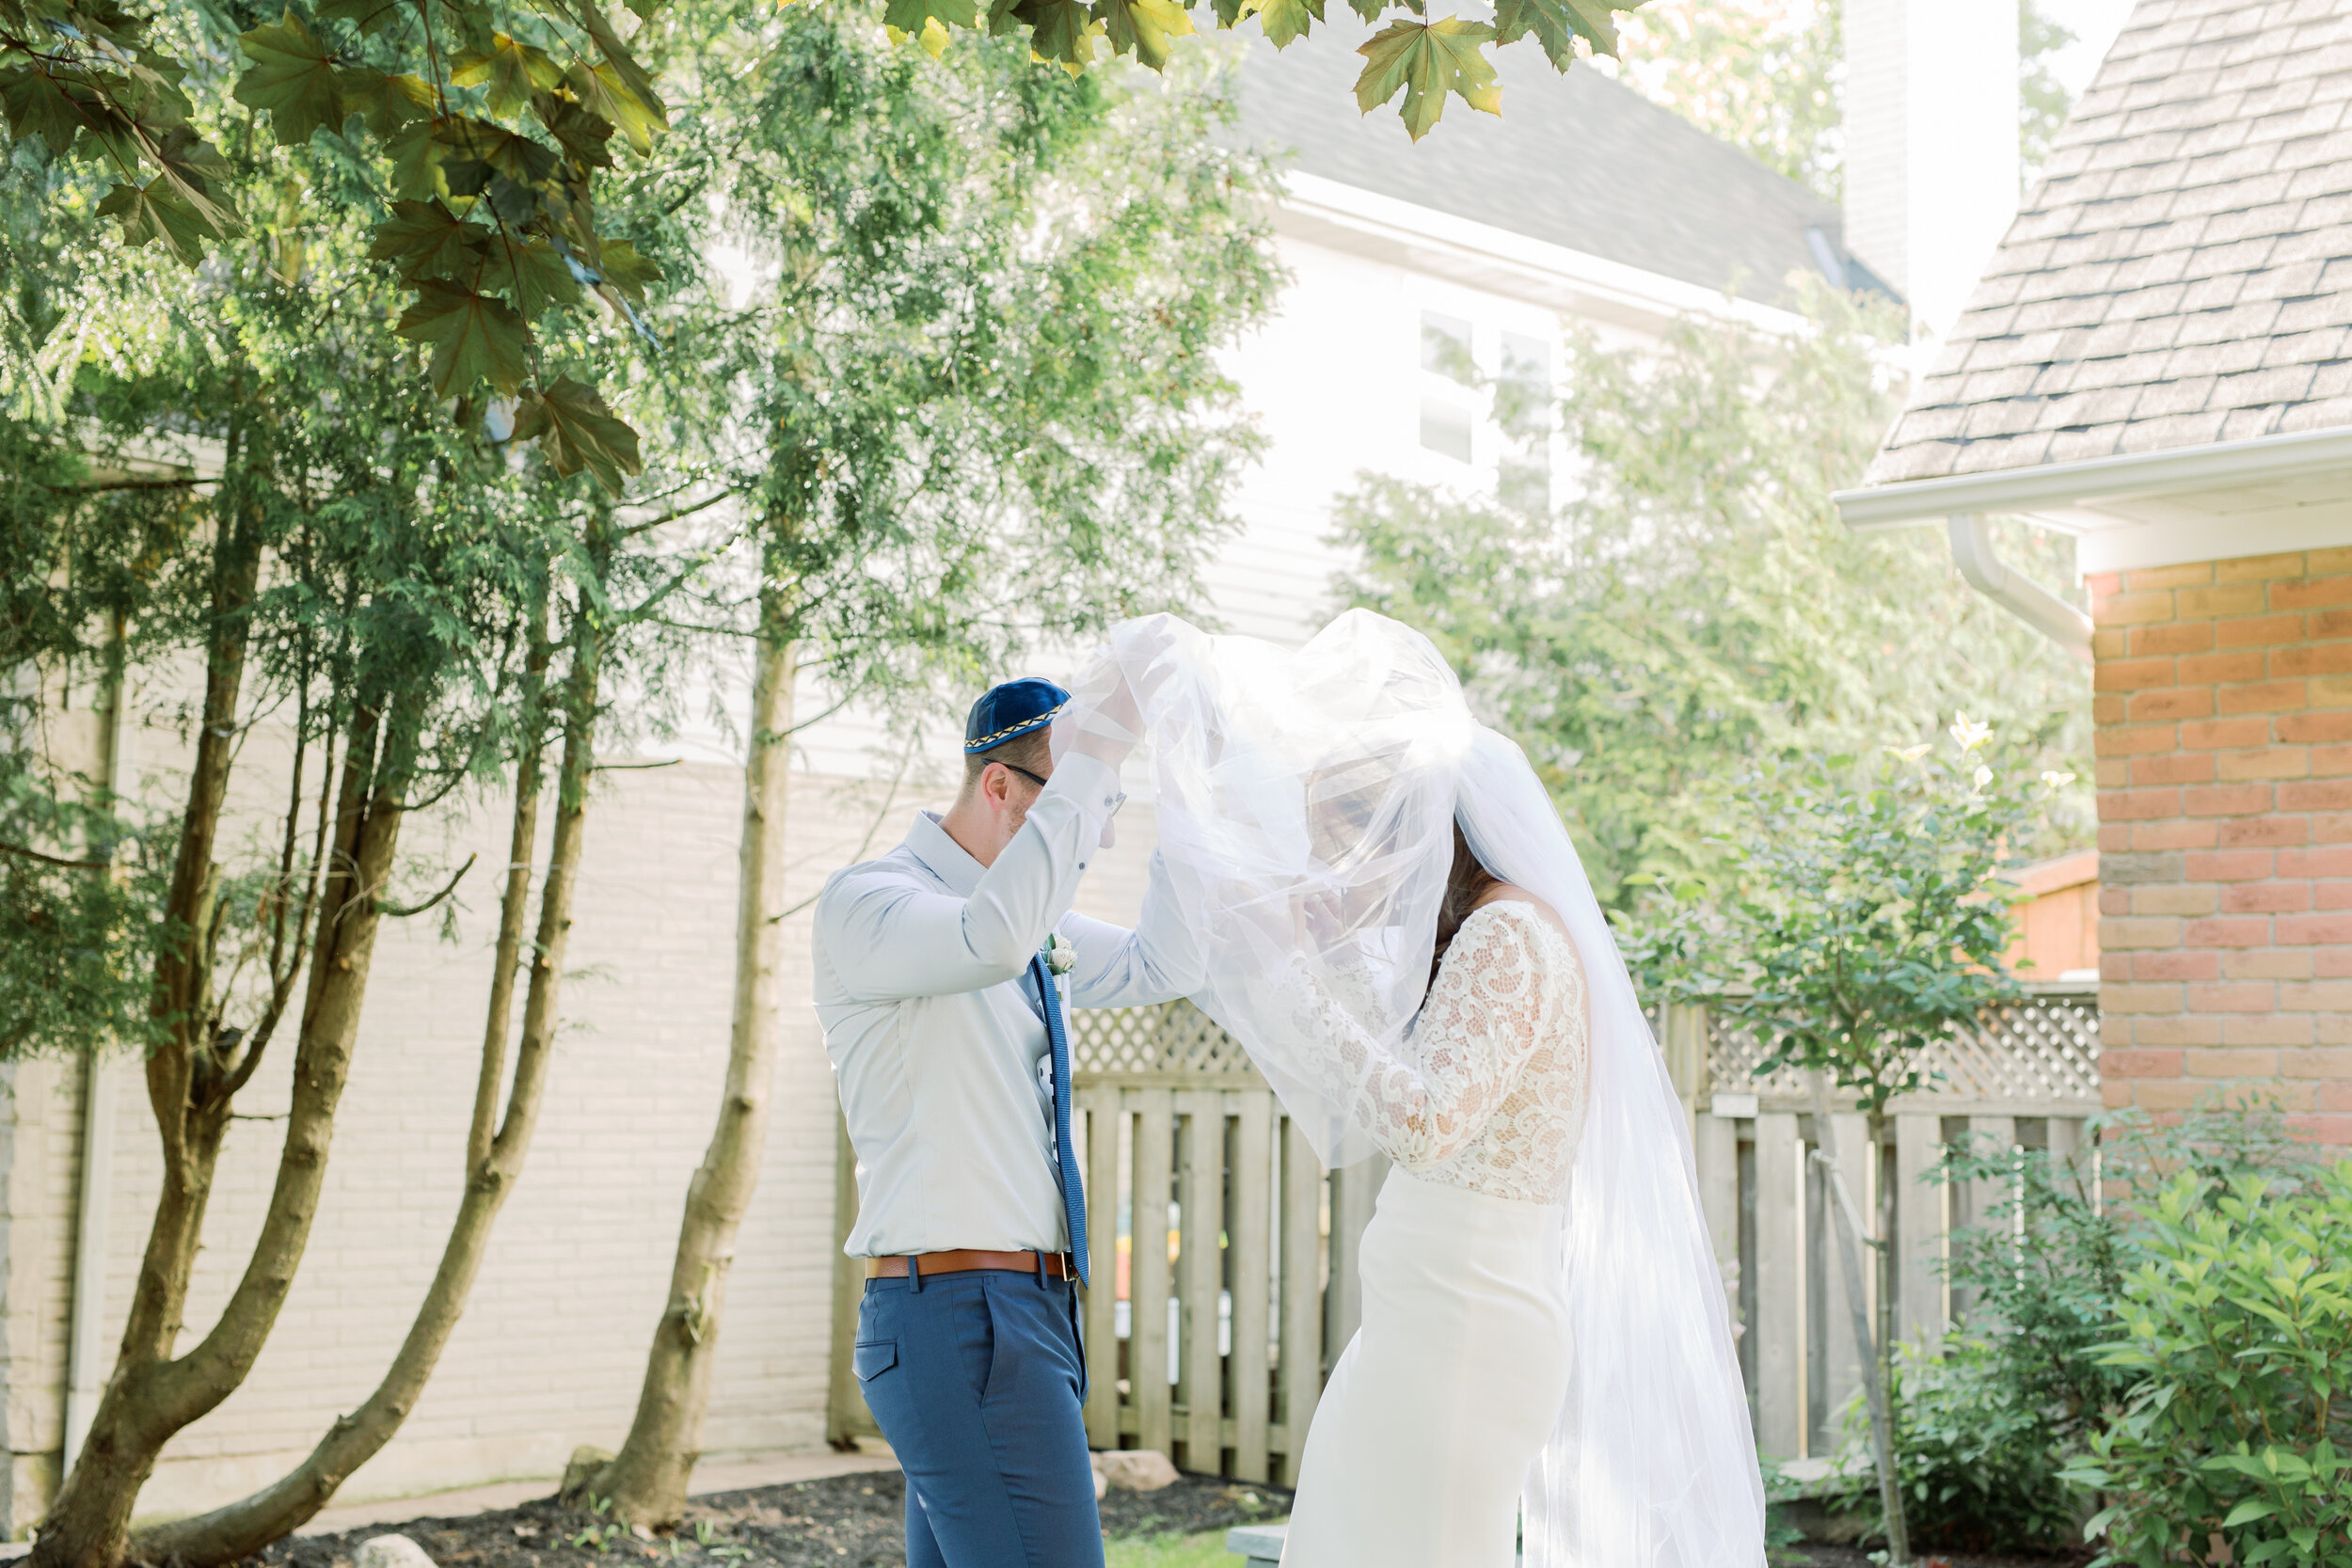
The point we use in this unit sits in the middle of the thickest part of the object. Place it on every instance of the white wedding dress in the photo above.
(1543, 1321)
(1452, 1384)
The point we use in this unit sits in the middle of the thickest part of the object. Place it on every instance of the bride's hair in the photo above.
(1466, 883)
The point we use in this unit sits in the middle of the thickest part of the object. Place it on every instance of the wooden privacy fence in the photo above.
(2027, 1080)
(1224, 1255)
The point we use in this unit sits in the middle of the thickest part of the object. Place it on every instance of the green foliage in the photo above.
(1763, 75)
(2043, 102)
(1861, 917)
(504, 116)
(78, 892)
(2238, 1328)
(1975, 1456)
(1699, 603)
(983, 388)
(1984, 1429)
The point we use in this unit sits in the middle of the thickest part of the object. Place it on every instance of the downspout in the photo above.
(85, 1363)
(1985, 572)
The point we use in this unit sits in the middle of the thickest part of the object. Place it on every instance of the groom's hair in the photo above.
(1033, 751)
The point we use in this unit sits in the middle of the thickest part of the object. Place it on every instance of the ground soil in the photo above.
(855, 1521)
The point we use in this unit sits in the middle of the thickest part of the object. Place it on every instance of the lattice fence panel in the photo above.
(1178, 1037)
(2044, 1048)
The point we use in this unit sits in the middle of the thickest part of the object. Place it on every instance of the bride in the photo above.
(1401, 934)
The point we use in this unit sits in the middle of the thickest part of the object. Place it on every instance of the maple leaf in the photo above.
(1594, 19)
(1146, 28)
(509, 71)
(1546, 19)
(424, 239)
(581, 132)
(475, 337)
(386, 101)
(156, 212)
(417, 154)
(916, 17)
(530, 273)
(627, 73)
(294, 77)
(1284, 19)
(370, 16)
(576, 430)
(1428, 60)
(1059, 30)
(191, 163)
(602, 93)
(627, 271)
(54, 108)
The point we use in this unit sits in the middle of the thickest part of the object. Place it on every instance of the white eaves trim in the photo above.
(2050, 486)
(1536, 270)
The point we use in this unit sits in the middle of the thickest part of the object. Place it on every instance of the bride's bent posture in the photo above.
(1455, 1379)
(1398, 929)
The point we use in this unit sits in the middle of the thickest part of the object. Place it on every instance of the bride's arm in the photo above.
(1484, 1016)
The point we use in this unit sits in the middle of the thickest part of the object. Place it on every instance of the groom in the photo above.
(937, 988)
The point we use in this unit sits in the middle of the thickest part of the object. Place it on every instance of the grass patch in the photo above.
(1205, 1551)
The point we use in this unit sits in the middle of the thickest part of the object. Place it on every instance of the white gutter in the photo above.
(2052, 617)
(2262, 459)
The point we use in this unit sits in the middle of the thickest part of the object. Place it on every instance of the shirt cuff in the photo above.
(1090, 783)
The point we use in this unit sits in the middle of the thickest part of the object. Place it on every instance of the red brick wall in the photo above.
(2224, 709)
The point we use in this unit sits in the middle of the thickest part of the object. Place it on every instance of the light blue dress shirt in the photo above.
(935, 1042)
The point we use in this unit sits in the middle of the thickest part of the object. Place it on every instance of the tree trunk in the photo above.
(1878, 1348)
(493, 1163)
(152, 1395)
(647, 1479)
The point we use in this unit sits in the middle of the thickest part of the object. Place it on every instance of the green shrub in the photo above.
(2231, 1445)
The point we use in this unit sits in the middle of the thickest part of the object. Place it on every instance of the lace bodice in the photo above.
(1487, 1089)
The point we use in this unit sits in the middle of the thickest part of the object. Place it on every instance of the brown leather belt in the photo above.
(965, 1261)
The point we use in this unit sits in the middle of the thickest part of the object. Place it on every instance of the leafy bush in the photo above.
(2238, 1327)
(1983, 1431)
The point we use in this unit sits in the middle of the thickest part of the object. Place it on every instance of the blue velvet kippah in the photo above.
(1012, 709)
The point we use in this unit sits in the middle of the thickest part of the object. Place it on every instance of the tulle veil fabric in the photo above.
(1305, 806)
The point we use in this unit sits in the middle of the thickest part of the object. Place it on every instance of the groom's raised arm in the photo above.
(888, 939)
(1160, 960)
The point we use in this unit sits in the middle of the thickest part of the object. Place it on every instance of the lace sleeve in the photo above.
(1484, 1018)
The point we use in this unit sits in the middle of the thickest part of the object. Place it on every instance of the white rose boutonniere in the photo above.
(1062, 954)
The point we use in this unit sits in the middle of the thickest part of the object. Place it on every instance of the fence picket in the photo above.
(1779, 1287)
(1147, 1315)
(1919, 1228)
(1202, 1195)
(1104, 1117)
(1302, 1294)
(1253, 1276)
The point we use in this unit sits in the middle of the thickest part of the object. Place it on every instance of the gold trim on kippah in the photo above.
(1007, 734)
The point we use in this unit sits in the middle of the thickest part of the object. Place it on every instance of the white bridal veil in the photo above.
(1306, 803)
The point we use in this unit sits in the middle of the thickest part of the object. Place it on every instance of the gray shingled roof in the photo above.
(1576, 160)
(2184, 276)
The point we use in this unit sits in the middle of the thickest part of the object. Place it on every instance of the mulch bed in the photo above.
(855, 1521)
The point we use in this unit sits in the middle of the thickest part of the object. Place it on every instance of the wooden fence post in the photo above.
(1147, 1286)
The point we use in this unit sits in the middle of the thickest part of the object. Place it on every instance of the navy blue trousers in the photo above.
(977, 1381)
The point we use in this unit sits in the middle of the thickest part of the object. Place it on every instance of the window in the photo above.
(1445, 427)
(1445, 347)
